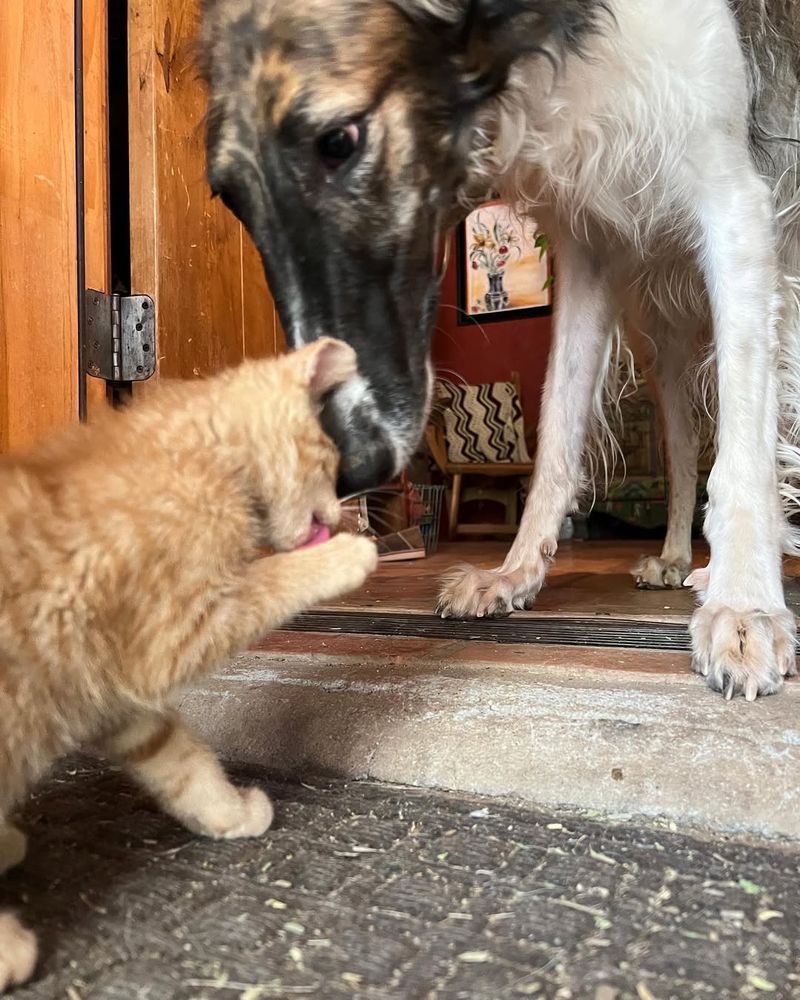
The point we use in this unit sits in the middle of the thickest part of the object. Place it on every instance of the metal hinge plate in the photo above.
(120, 336)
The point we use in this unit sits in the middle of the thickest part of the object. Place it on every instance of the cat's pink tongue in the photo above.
(318, 534)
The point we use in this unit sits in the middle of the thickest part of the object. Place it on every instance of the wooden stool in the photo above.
(507, 498)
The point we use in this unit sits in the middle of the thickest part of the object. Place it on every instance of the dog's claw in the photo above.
(751, 689)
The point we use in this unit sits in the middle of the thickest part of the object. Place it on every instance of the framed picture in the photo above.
(504, 266)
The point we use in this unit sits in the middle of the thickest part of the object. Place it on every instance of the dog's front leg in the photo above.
(743, 635)
(575, 371)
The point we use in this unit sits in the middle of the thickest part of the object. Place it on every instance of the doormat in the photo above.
(545, 631)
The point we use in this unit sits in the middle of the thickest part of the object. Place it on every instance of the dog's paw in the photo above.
(18, 952)
(655, 573)
(468, 592)
(13, 847)
(743, 652)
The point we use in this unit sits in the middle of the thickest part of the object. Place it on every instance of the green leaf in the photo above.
(750, 887)
(762, 984)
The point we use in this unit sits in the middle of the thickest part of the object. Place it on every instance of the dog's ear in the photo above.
(494, 34)
(484, 38)
(323, 364)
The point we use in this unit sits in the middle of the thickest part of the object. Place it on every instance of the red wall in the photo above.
(491, 351)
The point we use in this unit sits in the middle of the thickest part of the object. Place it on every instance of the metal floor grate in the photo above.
(601, 632)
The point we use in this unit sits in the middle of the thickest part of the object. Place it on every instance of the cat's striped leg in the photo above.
(18, 952)
(185, 777)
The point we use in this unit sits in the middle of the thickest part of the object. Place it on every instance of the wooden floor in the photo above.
(587, 578)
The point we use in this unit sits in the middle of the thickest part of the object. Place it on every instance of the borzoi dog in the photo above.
(656, 143)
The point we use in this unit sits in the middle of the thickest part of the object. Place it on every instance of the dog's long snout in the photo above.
(368, 455)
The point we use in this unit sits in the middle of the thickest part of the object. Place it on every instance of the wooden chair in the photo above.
(437, 444)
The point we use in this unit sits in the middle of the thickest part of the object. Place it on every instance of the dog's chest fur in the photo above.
(611, 136)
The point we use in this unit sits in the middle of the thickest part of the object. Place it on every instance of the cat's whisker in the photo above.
(382, 521)
(467, 315)
(376, 490)
(450, 371)
(445, 333)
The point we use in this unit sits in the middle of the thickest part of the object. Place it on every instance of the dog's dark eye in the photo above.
(337, 146)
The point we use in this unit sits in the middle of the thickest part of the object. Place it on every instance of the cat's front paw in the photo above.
(18, 952)
(350, 559)
(362, 556)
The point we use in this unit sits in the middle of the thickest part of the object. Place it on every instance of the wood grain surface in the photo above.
(188, 251)
(38, 277)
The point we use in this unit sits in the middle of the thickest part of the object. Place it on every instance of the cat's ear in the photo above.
(324, 364)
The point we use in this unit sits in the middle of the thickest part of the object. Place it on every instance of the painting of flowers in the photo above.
(504, 266)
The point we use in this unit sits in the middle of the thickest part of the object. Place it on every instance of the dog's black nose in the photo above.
(359, 473)
(368, 457)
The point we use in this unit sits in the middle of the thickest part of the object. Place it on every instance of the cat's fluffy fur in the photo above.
(131, 566)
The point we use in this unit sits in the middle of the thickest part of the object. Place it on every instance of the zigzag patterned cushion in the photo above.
(483, 423)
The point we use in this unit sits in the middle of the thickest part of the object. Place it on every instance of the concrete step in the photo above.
(620, 732)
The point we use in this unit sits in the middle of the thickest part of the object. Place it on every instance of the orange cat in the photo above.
(130, 568)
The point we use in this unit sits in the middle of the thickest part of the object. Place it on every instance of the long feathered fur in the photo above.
(506, 146)
(664, 164)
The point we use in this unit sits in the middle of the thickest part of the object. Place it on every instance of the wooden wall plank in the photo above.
(96, 190)
(38, 283)
(188, 251)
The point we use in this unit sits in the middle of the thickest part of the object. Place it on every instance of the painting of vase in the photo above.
(504, 266)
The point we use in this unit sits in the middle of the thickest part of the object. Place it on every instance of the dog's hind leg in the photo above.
(668, 379)
(575, 374)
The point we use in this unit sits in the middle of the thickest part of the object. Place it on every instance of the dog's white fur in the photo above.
(637, 161)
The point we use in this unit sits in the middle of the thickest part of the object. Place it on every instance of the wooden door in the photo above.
(62, 193)
(188, 251)
(38, 259)
(53, 210)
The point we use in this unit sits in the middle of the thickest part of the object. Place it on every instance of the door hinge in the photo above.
(119, 342)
